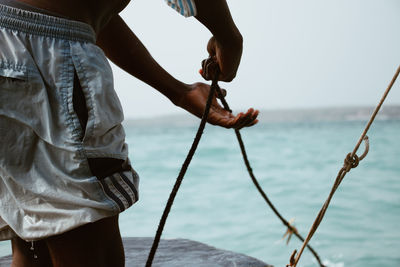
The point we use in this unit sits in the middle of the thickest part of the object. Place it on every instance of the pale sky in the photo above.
(297, 53)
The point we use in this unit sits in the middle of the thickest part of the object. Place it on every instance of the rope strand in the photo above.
(351, 161)
(257, 184)
(181, 175)
(215, 88)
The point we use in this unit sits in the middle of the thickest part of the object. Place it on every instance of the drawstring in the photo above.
(32, 248)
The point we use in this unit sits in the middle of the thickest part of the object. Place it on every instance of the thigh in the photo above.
(28, 254)
(97, 244)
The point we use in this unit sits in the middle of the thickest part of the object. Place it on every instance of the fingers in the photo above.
(211, 46)
(223, 91)
(246, 119)
(237, 122)
(209, 68)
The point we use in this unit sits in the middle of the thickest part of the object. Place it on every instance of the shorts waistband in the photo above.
(45, 25)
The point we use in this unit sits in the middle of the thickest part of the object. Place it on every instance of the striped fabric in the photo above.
(186, 8)
(121, 188)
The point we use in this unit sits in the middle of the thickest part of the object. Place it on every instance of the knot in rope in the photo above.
(291, 230)
(292, 260)
(351, 162)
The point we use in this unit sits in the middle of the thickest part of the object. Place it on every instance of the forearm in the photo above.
(225, 47)
(215, 15)
(123, 47)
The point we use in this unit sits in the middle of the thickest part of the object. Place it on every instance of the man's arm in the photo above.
(125, 49)
(122, 46)
(225, 47)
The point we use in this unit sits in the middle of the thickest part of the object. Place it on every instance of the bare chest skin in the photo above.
(97, 13)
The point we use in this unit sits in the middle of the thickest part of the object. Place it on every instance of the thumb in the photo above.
(211, 46)
(223, 91)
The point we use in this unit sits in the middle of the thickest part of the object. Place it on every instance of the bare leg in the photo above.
(23, 256)
(97, 244)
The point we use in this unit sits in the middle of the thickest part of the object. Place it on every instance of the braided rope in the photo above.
(215, 88)
(291, 229)
(181, 175)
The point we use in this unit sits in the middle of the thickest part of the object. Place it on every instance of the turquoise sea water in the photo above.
(296, 164)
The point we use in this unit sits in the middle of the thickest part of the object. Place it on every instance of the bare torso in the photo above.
(94, 12)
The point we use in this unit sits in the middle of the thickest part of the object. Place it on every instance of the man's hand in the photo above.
(225, 47)
(223, 59)
(123, 47)
(195, 98)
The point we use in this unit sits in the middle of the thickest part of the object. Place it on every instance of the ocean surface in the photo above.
(296, 163)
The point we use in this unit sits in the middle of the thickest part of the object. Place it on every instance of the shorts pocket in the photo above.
(12, 73)
(14, 90)
(79, 104)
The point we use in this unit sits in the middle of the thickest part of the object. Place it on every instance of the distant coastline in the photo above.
(390, 112)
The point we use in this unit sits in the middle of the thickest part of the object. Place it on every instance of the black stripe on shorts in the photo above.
(130, 184)
(111, 195)
(119, 187)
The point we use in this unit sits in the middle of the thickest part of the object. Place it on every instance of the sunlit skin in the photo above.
(97, 13)
(99, 244)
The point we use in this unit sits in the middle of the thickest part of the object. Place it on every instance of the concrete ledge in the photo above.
(177, 253)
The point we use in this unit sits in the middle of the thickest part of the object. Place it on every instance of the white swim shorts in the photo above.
(46, 184)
